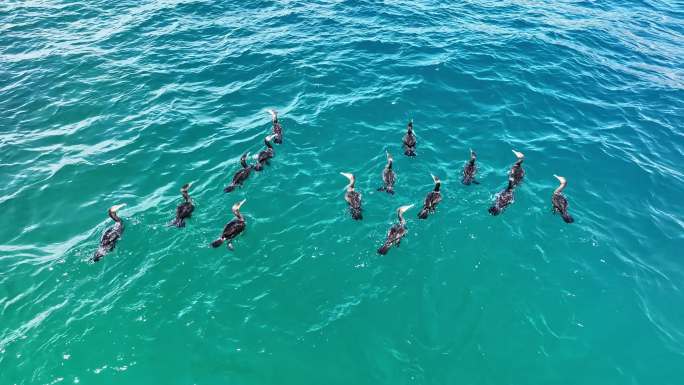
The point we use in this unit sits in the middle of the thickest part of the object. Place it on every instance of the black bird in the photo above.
(503, 199)
(352, 197)
(396, 232)
(517, 172)
(233, 228)
(241, 175)
(264, 156)
(559, 202)
(111, 235)
(277, 129)
(469, 170)
(388, 176)
(409, 140)
(431, 200)
(185, 209)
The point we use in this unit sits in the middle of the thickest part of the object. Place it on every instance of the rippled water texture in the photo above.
(106, 102)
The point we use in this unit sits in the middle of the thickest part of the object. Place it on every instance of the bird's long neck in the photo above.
(437, 186)
(268, 143)
(510, 184)
(239, 216)
(115, 218)
(400, 215)
(350, 186)
(243, 162)
(389, 164)
(560, 188)
(186, 196)
(518, 162)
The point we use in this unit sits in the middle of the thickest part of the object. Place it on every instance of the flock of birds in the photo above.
(394, 235)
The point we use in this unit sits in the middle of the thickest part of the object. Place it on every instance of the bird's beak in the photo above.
(239, 204)
(270, 137)
(116, 208)
(560, 178)
(518, 154)
(389, 156)
(347, 175)
(434, 178)
(402, 209)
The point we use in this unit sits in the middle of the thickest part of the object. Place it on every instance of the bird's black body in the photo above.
(560, 205)
(388, 177)
(503, 199)
(264, 156)
(517, 172)
(241, 176)
(185, 209)
(431, 200)
(354, 200)
(109, 238)
(469, 170)
(231, 230)
(409, 141)
(277, 128)
(394, 234)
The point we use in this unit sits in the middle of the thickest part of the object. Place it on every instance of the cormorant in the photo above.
(503, 198)
(233, 228)
(352, 197)
(388, 176)
(185, 209)
(470, 170)
(277, 129)
(559, 202)
(396, 232)
(111, 235)
(241, 175)
(431, 200)
(517, 172)
(409, 140)
(264, 156)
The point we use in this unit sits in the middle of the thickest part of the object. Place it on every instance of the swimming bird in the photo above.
(233, 228)
(388, 176)
(396, 232)
(409, 140)
(559, 202)
(469, 170)
(264, 156)
(277, 129)
(503, 198)
(352, 197)
(431, 200)
(517, 172)
(241, 175)
(185, 209)
(111, 235)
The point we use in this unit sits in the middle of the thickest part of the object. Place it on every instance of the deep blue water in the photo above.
(123, 102)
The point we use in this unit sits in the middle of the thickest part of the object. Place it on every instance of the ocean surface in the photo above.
(108, 102)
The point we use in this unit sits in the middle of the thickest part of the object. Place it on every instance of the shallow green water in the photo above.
(104, 103)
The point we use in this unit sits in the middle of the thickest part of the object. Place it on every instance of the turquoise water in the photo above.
(123, 102)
